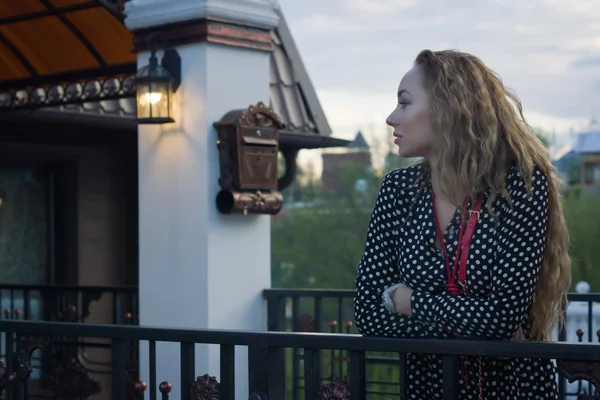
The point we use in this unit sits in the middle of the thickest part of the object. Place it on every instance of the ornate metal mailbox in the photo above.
(248, 143)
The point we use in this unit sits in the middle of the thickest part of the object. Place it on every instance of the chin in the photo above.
(406, 153)
(412, 152)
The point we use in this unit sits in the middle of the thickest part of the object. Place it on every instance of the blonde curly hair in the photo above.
(480, 131)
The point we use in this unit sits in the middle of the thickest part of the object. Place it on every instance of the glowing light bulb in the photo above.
(151, 98)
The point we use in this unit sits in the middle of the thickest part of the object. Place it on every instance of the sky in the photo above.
(356, 52)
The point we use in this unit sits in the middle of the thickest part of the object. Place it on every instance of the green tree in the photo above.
(582, 212)
(542, 135)
(320, 245)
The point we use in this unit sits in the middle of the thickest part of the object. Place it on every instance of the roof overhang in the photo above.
(310, 141)
(287, 140)
(61, 41)
(74, 60)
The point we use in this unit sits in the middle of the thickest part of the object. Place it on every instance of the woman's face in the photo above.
(411, 119)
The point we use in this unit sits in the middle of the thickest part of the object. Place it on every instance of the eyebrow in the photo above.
(400, 92)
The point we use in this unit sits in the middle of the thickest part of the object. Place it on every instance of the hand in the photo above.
(401, 299)
(519, 336)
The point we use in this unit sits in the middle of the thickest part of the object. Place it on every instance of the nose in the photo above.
(389, 120)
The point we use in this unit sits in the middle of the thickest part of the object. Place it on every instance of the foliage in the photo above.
(543, 136)
(582, 211)
(319, 244)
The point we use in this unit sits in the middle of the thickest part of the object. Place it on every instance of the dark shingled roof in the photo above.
(292, 93)
(359, 142)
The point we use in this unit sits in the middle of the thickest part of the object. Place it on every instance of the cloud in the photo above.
(356, 51)
(350, 111)
(378, 7)
(586, 62)
(331, 24)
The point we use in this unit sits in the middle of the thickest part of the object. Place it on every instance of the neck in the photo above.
(435, 177)
(436, 183)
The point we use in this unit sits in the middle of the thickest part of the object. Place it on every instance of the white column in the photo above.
(198, 268)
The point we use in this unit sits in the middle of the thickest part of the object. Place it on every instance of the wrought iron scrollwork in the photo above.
(334, 391)
(71, 381)
(28, 345)
(60, 94)
(581, 370)
(3, 376)
(206, 388)
(21, 366)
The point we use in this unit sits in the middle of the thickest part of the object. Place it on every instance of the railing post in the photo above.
(188, 369)
(227, 361)
(358, 375)
(562, 337)
(318, 328)
(263, 371)
(450, 370)
(119, 352)
(26, 305)
(311, 373)
(403, 377)
(10, 365)
(258, 369)
(276, 322)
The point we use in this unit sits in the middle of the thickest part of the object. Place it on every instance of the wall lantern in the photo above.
(155, 84)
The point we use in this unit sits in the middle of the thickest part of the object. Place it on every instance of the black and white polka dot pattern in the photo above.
(502, 271)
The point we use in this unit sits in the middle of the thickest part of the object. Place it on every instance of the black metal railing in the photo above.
(69, 303)
(289, 310)
(332, 311)
(67, 357)
(264, 365)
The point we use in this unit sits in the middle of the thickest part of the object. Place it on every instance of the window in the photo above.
(36, 232)
(592, 173)
(23, 226)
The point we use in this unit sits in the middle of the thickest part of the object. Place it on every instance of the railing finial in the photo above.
(165, 387)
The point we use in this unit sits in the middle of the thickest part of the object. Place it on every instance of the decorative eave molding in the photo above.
(207, 30)
(146, 14)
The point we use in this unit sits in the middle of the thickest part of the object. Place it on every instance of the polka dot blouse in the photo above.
(502, 270)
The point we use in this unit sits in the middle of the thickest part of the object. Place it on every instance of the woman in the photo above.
(486, 181)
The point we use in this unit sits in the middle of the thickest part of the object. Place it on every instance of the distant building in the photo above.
(358, 153)
(580, 163)
(588, 146)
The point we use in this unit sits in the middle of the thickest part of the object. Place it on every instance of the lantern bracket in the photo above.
(171, 61)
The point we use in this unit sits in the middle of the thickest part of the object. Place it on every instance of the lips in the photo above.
(398, 138)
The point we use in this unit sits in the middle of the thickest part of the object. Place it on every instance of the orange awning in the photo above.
(62, 40)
